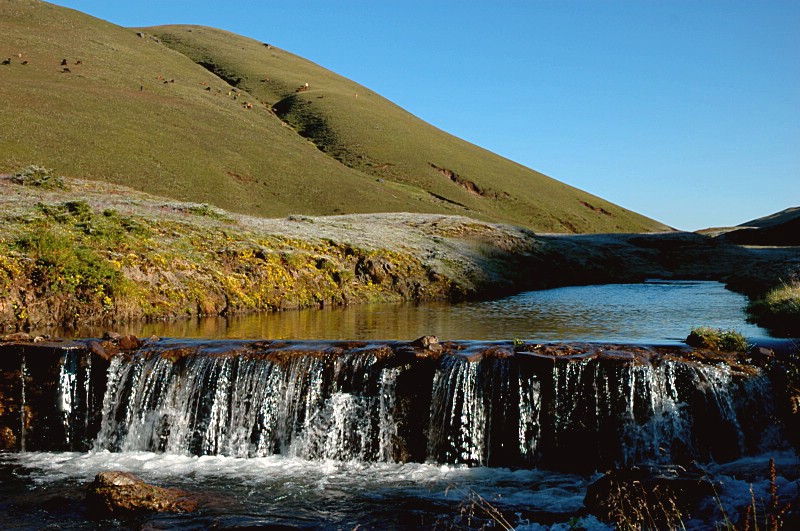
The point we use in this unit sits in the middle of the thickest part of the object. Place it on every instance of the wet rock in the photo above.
(648, 497)
(427, 343)
(115, 492)
(113, 341)
(762, 355)
(96, 348)
(129, 342)
(8, 441)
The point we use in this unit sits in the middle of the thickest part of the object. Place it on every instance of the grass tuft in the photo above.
(779, 309)
(717, 339)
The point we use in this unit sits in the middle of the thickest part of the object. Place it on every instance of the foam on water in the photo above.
(289, 485)
(290, 489)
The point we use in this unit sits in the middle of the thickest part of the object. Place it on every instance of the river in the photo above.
(47, 489)
(654, 312)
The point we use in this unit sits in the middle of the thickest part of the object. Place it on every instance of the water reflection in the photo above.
(652, 311)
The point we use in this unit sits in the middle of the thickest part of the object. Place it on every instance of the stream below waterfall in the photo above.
(46, 491)
(311, 442)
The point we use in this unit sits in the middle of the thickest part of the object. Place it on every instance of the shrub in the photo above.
(62, 265)
(38, 176)
(717, 339)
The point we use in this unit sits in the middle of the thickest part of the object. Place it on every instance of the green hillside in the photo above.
(204, 115)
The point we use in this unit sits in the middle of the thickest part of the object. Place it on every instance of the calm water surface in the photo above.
(655, 311)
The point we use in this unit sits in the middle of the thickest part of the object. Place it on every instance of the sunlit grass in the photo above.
(717, 339)
(779, 309)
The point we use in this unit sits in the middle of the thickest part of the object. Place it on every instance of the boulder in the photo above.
(114, 492)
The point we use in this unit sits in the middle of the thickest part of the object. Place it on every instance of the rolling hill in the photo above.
(203, 115)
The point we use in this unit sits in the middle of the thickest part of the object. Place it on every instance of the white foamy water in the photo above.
(289, 490)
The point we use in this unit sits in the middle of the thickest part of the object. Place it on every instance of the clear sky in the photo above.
(687, 111)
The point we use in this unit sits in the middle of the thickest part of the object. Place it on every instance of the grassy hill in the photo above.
(203, 115)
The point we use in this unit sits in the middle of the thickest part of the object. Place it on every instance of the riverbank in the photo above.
(82, 252)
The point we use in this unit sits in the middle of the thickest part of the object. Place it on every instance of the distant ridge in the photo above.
(779, 229)
(204, 115)
(774, 219)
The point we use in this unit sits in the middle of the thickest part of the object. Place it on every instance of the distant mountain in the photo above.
(203, 115)
(781, 228)
(774, 219)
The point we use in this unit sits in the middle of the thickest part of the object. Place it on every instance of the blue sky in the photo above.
(687, 111)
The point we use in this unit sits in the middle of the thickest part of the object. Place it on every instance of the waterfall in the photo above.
(308, 406)
(75, 399)
(474, 404)
(23, 402)
(494, 411)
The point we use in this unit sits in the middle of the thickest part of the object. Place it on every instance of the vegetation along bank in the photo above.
(75, 252)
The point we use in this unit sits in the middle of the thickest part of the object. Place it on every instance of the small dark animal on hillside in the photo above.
(78, 62)
(66, 70)
(7, 61)
(63, 62)
(302, 88)
(24, 62)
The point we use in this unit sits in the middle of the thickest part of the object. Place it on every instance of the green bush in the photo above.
(38, 176)
(717, 339)
(62, 265)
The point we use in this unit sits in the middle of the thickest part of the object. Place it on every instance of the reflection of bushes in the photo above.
(717, 339)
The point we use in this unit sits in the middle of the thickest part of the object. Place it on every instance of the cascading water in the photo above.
(380, 421)
(75, 393)
(310, 406)
(581, 407)
(478, 408)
